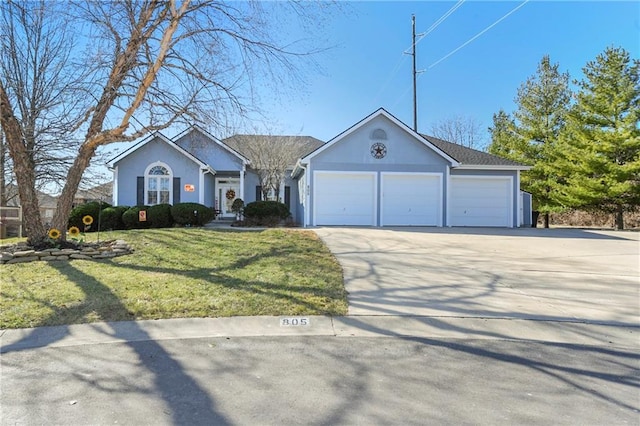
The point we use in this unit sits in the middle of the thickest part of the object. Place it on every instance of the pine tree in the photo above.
(601, 144)
(531, 137)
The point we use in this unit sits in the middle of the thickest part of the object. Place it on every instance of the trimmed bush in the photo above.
(88, 209)
(159, 216)
(130, 218)
(111, 218)
(192, 214)
(266, 213)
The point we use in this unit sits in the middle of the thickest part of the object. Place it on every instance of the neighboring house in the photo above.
(47, 203)
(102, 192)
(378, 172)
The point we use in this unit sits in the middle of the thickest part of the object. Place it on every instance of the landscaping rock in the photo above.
(20, 253)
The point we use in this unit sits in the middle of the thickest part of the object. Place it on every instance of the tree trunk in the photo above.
(619, 219)
(546, 220)
(65, 200)
(24, 171)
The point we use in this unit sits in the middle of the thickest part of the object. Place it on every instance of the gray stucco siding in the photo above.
(136, 163)
(403, 149)
(210, 152)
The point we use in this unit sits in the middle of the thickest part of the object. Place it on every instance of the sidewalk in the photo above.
(351, 326)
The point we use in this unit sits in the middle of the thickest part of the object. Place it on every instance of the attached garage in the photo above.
(411, 199)
(481, 201)
(380, 172)
(345, 198)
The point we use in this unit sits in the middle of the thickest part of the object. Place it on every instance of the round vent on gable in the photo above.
(379, 134)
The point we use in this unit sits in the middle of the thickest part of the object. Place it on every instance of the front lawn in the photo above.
(178, 273)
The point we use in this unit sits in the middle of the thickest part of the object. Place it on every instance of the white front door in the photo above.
(227, 190)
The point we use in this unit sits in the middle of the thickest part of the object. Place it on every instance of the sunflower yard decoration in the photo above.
(54, 234)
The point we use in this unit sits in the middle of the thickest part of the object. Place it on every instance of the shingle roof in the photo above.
(470, 157)
(303, 144)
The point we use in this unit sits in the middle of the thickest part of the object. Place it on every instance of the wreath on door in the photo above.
(231, 194)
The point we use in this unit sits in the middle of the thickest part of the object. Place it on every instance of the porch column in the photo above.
(244, 168)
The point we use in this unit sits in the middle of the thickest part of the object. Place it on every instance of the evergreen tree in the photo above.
(601, 144)
(504, 138)
(531, 137)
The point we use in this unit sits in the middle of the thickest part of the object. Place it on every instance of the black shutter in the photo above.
(287, 196)
(140, 191)
(176, 190)
(258, 193)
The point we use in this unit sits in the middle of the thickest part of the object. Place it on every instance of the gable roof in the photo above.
(163, 138)
(468, 157)
(301, 145)
(370, 117)
(222, 144)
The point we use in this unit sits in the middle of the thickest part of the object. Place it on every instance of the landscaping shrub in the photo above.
(111, 218)
(159, 216)
(266, 213)
(130, 218)
(192, 214)
(88, 209)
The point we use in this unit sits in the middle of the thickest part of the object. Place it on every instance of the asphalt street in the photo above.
(322, 380)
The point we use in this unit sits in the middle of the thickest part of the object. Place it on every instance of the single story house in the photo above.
(195, 166)
(378, 172)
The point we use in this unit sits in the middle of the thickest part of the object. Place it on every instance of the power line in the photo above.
(439, 21)
(477, 35)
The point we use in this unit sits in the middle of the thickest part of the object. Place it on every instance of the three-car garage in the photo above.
(371, 198)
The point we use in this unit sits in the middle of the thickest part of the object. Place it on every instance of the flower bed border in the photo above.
(23, 254)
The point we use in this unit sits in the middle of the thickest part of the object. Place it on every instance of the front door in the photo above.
(227, 190)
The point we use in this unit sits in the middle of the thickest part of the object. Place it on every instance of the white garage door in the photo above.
(342, 198)
(411, 199)
(481, 201)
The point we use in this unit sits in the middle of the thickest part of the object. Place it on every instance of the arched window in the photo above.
(158, 187)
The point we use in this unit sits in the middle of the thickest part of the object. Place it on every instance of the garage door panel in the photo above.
(411, 199)
(344, 198)
(478, 201)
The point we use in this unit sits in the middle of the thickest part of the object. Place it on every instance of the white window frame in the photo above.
(148, 177)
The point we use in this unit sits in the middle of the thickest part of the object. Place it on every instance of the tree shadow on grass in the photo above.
(169, 376)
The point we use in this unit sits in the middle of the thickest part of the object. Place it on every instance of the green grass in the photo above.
(178, 273)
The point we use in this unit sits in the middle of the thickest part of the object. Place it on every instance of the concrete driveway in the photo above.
(546, 274)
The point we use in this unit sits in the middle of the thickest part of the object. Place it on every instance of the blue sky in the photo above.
(368, 70)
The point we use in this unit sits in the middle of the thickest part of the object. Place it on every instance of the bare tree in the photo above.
(34, 54)
(150, 64)
(271, 156)
(465, 131)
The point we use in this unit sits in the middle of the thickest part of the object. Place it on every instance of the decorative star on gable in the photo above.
(378, 150)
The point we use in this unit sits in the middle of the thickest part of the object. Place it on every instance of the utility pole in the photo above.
(415, 90)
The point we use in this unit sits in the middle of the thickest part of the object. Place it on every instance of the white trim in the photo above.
(519, 199)
(400, 124)
(114, 195)
(335, 172)
(201, 188)
(146, 181)
(150, 138)
(242, 172)
(447, 200)
(440, 184)
(481, 177)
